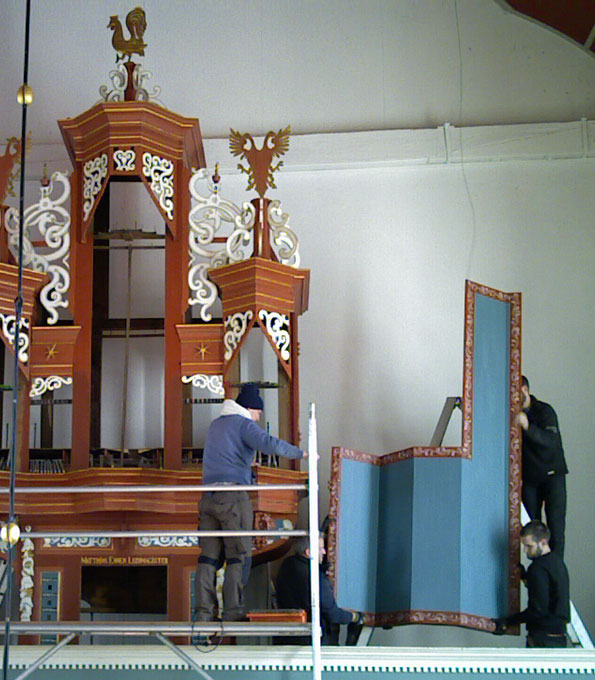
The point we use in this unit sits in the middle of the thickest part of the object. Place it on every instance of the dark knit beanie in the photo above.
(249, 397)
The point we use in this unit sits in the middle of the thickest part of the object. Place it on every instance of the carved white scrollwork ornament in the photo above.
(213, 383)
(235, 327)
(94, 172)
(77, 542)
(9, 323)
(42, 385)
(213, 216)
(204, 291)
(138, 81)
(168, 541)
(27, 577)
(119, 78)
(52, 220)
(160, 173)
(282, 236)
(277, 328)
(124, 160)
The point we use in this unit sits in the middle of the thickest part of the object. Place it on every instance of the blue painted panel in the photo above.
(441, 524)
(436, 553)
(394, 537)
(358, 534)
(484, 499)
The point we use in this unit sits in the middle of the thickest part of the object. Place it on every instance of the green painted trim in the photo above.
(337, 660)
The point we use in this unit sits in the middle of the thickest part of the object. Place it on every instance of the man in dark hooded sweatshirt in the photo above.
(548, 607)
(293, 592)
(544, 466)
(232, 441)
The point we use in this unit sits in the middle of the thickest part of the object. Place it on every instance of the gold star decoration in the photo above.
(51, 351)
(202, 350)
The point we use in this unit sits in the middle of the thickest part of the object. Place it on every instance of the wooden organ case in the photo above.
(125, 143)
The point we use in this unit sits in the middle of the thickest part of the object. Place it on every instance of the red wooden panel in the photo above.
(52, 350)
(201, 348)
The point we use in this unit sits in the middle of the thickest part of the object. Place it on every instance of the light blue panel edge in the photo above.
(394, 537)
(436, 568)
(485, 480)
(357, 535)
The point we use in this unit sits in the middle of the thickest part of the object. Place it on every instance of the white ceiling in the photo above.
(323, 66)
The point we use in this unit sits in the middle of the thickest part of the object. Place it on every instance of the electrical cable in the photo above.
(18, 304)
(218, 639)
(460, 129)
(200, 641)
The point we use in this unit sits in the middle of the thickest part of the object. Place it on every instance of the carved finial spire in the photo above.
(45, 180)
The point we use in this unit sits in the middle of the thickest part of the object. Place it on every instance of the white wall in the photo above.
(382, 342)
(334, 65)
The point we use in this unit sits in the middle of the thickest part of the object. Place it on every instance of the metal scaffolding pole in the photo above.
(159, 629)
(314, 546)
(147, 488)
(44, 657)
(177, 628)
(134, 533)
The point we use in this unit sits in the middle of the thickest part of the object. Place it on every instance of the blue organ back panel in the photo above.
(435, 546)
(485, 483)
(357, 551)
(424, 535)
(395, 526)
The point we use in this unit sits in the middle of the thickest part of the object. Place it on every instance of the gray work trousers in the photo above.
(228, 510)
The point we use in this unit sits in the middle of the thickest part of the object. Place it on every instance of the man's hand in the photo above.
(501, 626)
(522, 420)
(354, 629)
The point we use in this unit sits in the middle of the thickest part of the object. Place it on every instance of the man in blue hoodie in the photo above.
(232, 441)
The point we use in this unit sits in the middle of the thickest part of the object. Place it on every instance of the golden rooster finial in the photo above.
(136, 23)
(260, 172)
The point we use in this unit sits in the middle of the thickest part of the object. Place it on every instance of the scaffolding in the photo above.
(159, 630)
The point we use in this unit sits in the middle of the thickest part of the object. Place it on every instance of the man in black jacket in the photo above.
(548, 609)
(544, 466)
(293, 592)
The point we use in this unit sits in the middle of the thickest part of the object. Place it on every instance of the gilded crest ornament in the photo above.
(260, 161)
(136, 23)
